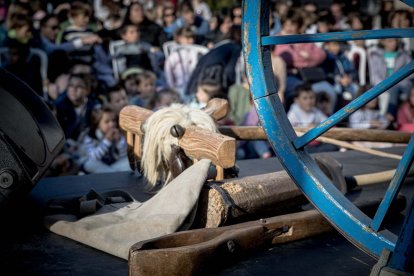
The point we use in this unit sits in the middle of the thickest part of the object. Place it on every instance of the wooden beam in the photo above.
(236, 199)
(195, 251)
(133, 117)
(343, 134)
(199, 144)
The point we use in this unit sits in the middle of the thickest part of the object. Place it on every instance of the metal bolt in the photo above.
(6, 179)
(177, 131)
(231, 246)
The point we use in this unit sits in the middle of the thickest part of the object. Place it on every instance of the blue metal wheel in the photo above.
(366, 233)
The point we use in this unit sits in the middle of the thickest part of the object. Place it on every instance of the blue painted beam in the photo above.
(395, 185)
(337, 36)
(353, 106)
(404, 249)
(409, 2)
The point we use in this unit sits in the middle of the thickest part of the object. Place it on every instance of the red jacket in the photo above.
(405, 118)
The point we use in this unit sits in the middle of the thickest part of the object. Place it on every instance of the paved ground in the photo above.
(27, 249)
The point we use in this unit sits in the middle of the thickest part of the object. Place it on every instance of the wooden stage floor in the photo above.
(28, 249)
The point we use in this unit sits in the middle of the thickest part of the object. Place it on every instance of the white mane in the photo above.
(158, 140)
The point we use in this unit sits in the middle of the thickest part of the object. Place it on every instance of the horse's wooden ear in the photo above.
(217, 108)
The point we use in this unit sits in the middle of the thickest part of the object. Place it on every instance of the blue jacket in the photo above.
(200, 24)
(72, 123)
(338, 66)
(217, 65)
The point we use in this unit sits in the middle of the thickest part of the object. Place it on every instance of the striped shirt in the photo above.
(104, 150)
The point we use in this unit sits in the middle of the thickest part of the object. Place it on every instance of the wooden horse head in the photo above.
(169, 140)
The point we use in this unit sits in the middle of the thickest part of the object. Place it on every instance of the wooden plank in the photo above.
(194, 251)
(343, 134)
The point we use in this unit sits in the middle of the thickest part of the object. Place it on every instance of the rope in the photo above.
(354, 147)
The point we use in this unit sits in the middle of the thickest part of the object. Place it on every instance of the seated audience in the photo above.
(304, 113)
(405, 115)
(104, 145)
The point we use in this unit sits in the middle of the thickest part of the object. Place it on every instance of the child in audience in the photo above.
(206, 90)
(21, 29)
(323, 103)
(369, 116)
(129, 83)
(384, 61)
(116, 98)
(342, 70)
(164, 98)
(104, 145)
(239, 101)
(304, 113)
(181, 62)
(253, 149)
(146, 87)
(405, 115)
(73, 107)
(79, 17)
(134, 53)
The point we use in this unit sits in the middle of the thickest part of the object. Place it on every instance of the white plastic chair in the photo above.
(188, 57)
(356, 50)
(168, 47)
(113, 50)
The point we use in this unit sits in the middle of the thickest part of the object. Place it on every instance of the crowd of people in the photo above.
(89, 59)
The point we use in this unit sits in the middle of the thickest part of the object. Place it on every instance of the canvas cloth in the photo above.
(115, 228)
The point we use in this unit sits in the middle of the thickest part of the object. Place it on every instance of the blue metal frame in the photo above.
(338, 36)
(404, 250)
(395, 185)
(348, 219)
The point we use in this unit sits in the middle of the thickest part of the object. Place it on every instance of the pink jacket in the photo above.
(405, 118)
(291, 54)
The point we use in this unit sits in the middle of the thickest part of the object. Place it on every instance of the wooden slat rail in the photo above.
(343, 134)
(220, 148)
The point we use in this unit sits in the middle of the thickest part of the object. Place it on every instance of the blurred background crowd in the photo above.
(88, 59)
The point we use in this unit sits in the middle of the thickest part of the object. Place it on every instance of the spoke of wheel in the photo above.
(395, 185)
(404, 250)
(409, 2)
(338, 36)
(353, 106)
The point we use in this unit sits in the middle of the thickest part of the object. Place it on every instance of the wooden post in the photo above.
(232, 199)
